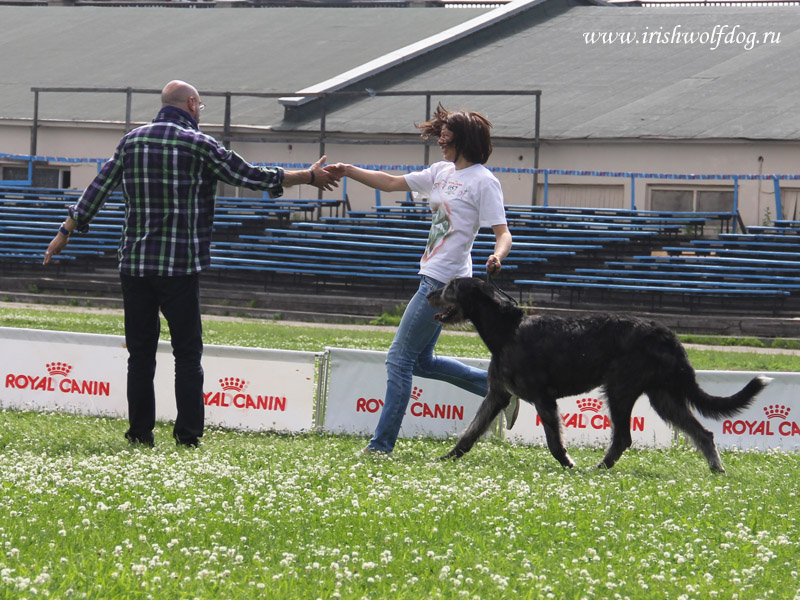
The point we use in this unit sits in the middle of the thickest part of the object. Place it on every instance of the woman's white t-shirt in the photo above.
(462, 201)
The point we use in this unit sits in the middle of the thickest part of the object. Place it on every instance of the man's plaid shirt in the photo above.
(169, 171)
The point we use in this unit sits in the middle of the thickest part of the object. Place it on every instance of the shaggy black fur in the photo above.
(544, 358)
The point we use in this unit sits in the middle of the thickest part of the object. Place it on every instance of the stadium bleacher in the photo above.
(568, 256)
(755, 272)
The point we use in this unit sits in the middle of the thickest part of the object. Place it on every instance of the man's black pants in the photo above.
(178, 298)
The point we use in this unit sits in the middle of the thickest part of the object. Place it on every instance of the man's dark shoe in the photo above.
(187, 442)
(143, 440)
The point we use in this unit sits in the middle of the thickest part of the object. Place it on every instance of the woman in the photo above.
(464, 196)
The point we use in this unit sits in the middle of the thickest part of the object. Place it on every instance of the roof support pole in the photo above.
(546, 181)
(427, 154)
(35, 126)
(322, 124)
(226, 132)
(778, 204)
(538, 98)
(128, 103)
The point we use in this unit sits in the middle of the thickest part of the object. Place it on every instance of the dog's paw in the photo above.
(452, 455)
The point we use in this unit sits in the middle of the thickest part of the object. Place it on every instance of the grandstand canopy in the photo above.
(606, 72)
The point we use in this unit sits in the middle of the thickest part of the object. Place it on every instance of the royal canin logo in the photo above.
(589, 405)
(233, 384)
(785, 428)
(417, 407)
(590, 417)
(777, 411)
(58, 368)
(56, 380)
(233, 396)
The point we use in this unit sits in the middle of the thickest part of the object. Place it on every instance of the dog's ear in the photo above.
(486, 289)
(495, 294)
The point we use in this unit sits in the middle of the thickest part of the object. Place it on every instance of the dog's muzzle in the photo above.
(436, 299)
(446, 316)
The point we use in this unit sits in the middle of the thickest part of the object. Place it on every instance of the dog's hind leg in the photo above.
(552, 432)
(676, 411)
(704, 440)
(620, 406)
(487, 412)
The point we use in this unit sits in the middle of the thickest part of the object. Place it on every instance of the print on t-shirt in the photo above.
(441, 227)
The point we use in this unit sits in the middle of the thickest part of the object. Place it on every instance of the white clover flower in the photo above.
(41, 578)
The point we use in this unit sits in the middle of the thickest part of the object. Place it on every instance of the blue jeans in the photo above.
(411, 353)
(179, 299)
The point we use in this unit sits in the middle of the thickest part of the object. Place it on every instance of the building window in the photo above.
(583, 196)
(675, 199)
(43, 176)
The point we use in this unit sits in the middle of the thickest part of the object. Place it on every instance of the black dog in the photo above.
(542, 358)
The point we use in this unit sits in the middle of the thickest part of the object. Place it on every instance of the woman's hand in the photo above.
(493, 265)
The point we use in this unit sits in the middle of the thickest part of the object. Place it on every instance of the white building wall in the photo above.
(756, 199)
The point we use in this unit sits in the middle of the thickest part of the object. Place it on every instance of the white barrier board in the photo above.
(768, 423)
(244, 388)
(357, 384)
(75, 372)
(251, 388)
(258, 389)
(585, 422)
(772, 421)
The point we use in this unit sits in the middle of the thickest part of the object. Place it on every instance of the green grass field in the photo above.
(273, 516)
(264, 515)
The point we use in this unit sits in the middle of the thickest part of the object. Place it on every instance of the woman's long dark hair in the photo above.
(471, 135)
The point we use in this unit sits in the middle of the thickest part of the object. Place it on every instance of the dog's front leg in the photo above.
(487, 412)
(552, 432)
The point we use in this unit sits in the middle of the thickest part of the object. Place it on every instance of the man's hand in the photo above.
(324, 179)
(56, 246)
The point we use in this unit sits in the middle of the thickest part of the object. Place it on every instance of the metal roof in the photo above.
(231, 49)
(737, 79)
(681, 73)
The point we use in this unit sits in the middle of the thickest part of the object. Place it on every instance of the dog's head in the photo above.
(459, 298)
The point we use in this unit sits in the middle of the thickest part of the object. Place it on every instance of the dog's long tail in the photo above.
(720, 407)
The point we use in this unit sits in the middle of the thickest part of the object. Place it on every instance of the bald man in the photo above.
(169, 171)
